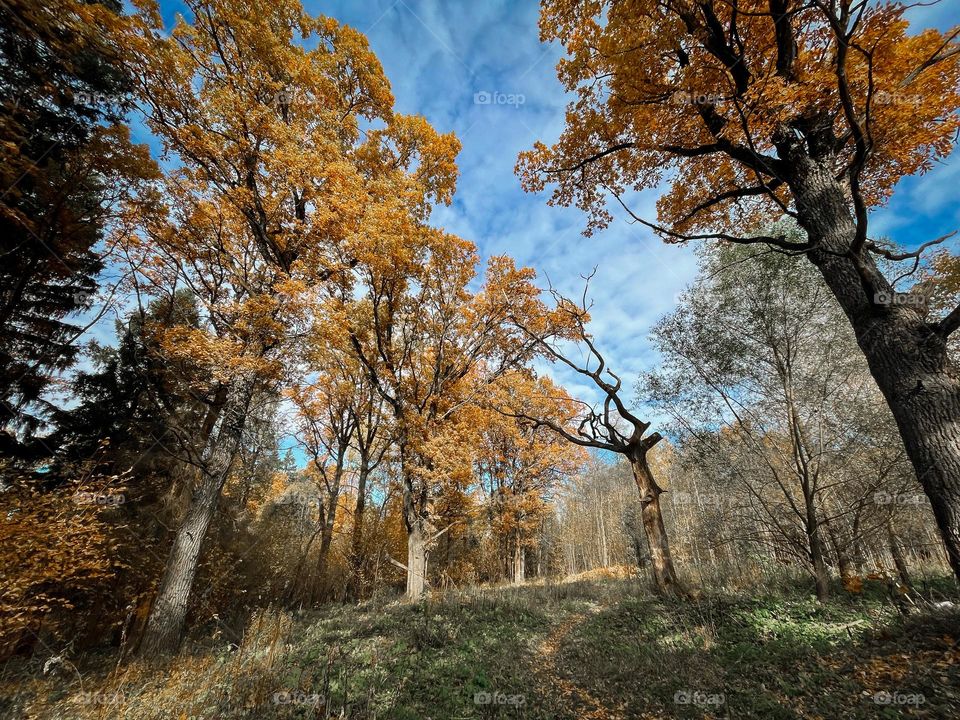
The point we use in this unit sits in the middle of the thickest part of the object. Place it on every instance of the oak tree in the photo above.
(610, 426)
(430, 345)
(271, 195)
(754, 110)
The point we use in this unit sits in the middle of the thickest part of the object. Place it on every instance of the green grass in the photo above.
(589, 649)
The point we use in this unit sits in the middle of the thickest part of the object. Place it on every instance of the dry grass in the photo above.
(583, 647)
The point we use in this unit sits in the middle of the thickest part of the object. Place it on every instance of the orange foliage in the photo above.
(57, 550)
(276, 193)
(520, 463)
(698, 93)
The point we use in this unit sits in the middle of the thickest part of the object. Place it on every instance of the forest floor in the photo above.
(589, 649)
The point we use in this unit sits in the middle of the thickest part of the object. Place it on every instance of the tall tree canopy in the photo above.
(275, 195)
(754, 110)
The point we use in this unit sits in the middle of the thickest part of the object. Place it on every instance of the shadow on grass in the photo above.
(768, 658)
(568, 651)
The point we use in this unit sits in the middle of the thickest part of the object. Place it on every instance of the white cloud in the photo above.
(437, 55)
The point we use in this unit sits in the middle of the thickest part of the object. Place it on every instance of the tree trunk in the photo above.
(326, 539)
(843, 558)
(165, 624)
(356, 537)
(415, 517)
(518, 575)
(815, 541)
(661, 562)
(821, 574)
(329, 519)
(899, 561)
(907, 355)
(417, 555)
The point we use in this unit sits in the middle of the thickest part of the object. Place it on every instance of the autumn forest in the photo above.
(278, 441)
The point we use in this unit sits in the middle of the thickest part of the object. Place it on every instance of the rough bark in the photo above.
(420, 531)
(417, 556)
(165, 624)
(661, 561)
(906, 354)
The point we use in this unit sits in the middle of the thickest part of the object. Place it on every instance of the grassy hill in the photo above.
(585, 649)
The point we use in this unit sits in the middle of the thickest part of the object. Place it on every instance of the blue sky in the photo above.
(438, 54)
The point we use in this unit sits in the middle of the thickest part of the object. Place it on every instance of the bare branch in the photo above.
(779, 241)
(896, 257)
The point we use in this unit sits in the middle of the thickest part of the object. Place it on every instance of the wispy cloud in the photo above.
(439, 55)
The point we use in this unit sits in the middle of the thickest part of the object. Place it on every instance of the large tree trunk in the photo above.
(907, 355)
(420, 531)
(165, 624)
(417, 555)
(661, 561)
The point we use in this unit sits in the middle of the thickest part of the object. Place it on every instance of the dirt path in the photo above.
(572, 696)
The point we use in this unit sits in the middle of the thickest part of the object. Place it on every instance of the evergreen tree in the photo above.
(64, 156)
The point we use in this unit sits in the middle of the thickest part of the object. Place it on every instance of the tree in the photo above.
(520, 464)
(273, 197)
(429, 345)
(342, 426)
(373, 442)
(761, 109)
(134, 401)
(762, 375)
(613, 427)
(65, 159)
(328, 426)
(757, 346)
